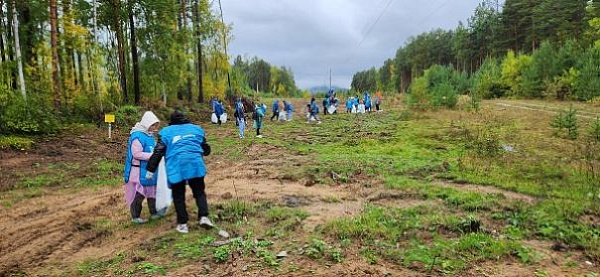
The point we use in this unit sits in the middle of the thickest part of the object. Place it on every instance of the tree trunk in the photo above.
(187, 50)
(121, 52)
(69, 66)
(134, 57)
(18, 51)
(80, 68)
(9, 41)
(180, 29)
(2, 32)
(28, 28)
(54, 46)
(199, 50)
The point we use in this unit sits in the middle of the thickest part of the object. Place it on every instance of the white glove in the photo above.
(149, 175)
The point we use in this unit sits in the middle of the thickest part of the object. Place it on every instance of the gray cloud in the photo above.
(311, 36)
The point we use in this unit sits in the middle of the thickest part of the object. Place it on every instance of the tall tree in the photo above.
(199, 64)
(134, 55)
(2, 32)
(188, 72)
(18, 50)
(120, 48)
(54, 48)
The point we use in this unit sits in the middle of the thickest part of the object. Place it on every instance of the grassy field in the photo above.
(395, 193)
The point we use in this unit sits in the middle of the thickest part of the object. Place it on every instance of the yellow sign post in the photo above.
(110, 119)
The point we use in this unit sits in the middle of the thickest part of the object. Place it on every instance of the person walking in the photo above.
(259, 113)
(289, 109)
(275, 109)
(184, 146)
(240, 116)
(140, 145)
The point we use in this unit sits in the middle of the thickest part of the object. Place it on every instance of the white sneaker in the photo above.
(182, 228)
(259, 136)
(206, 223)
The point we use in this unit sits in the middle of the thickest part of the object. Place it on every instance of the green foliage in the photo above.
(438, 87)
(27, 117)
(15, 142)
(565, 124)
(587, 84)
(512, 71)
(222, 253)
(487, 81)
(127, 116)
(594, 132)
(540, 72)
(365, 80)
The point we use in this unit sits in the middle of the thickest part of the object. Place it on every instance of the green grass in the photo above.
(16, 142)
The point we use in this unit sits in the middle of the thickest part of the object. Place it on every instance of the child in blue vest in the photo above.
(275, 109)
(184, 146)
(349, 103)
(139, 149)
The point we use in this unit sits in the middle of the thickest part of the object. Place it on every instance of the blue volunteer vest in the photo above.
(148, 143)
(184, 158)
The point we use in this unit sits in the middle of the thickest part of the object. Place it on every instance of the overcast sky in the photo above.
(311, 36)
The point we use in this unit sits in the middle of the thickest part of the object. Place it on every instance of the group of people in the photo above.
(183, 145)
(356, 105)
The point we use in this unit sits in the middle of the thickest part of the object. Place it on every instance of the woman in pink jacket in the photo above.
(139, 149)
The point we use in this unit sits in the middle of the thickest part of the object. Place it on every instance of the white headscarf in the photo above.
(148, 119)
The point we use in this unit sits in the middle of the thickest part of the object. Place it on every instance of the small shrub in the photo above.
(15, 142)
(221, 254)
(337, 255)
(27, 117)
(127, 116)
(566, 121)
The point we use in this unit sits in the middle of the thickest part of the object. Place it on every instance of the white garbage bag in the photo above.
(354, 109)
(361, 108)
(282, 116)
(331, 109)
(164, 197)
(224, 118)
(214, 119)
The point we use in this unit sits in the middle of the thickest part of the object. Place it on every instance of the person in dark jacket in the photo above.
(184, 146)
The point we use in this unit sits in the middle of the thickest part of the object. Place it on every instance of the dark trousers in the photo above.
(275, 115)
(197, 185)
(136, 205)
(258, 131)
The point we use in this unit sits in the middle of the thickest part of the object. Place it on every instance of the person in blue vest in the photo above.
(275, 109)
(183, 145)
(313, 111)
(219, 111)
(349, 103)
(240, 116)
(289, 109)
(259, 113)
(367, 100)
(140, 145)
(326, 104)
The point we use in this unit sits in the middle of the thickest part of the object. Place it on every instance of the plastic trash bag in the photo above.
(354, 109)
(282, 116)
(214, 119)
(164, 198)
(361, 108)
(331, 109)
(224, 118)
